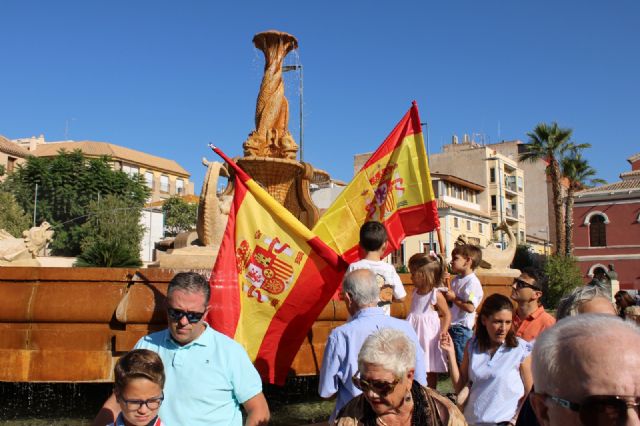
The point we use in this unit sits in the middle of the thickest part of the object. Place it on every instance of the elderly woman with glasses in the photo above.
(390, 396)
(496, 365)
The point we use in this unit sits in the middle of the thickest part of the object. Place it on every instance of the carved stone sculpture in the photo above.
(271, 138)
(213, 212)
(23, 251)
(493, 258)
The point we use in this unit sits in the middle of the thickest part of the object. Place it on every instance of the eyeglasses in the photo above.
(520, 284)
(177, 314)
(600, 410)
(136, 404)
(380, 387)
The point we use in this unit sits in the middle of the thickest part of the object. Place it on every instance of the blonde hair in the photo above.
(432, 268)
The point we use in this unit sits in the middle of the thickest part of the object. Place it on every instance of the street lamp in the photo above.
(298, 67)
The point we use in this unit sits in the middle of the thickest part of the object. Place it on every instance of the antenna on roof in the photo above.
(67, 124)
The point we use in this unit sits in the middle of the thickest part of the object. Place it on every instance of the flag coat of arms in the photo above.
(271, 279)
(393, 187)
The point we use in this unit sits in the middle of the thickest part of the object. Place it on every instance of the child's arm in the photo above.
(399, 293)
(465, 306)
(445, 314)
(459, 376)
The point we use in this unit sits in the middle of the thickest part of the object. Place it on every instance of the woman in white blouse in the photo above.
(496, 366)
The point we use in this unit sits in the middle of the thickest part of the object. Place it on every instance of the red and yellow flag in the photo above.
(271, 279)
(393, 187)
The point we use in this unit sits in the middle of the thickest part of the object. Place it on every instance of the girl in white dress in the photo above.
(429, 314)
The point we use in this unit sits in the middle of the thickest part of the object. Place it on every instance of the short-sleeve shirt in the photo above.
(206, 380)
(467, 289)
(340, 361)
(530, 327)
(497, 383)
(386, 275)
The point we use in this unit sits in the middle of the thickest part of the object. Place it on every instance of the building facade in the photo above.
(11, 155)
(504, 196)
(606, 232)
(538, 205)
(460, 215)
(163, 176)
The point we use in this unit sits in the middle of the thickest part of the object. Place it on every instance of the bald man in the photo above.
(585, 370)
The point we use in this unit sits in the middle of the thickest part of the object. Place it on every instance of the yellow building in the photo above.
(165, 177)
(10, 156)
(460, 215)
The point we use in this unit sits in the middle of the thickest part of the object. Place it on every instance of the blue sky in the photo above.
(167, 77)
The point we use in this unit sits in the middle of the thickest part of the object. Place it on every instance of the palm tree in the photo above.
(580, 175)
(549, 143)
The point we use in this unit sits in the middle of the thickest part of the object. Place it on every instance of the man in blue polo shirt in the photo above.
(360, 292)
(208, 375)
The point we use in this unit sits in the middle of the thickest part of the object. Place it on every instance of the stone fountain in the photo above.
(270, 154)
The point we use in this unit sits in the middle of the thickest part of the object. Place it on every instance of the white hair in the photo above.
(362, 287)
(555, 348)
(570, 304)
(389, 348)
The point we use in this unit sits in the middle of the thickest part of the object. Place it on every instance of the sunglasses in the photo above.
(136, 404)
(520, 284)
(176, 315)
(380, 387)
(601, 410)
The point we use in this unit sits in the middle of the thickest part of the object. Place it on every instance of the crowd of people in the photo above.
(509, 365)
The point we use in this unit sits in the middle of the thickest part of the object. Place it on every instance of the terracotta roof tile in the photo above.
(97, 149)
(13, 148)
(622, 186)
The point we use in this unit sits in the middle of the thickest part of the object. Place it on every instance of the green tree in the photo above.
(12, 218)
(112, 234)
(66, 185)
(549, 143)
(564, 275)
(179, 216)
(580, 175)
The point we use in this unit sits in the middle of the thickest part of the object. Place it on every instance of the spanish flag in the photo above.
(271, 279)
(393, 187)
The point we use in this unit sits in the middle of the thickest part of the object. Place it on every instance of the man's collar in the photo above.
(368, 312)
(533, 315)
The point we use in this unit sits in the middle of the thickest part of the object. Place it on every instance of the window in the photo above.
(468, 225)
(11, 164)
(520, 184)
(148, 178)
(179, 186)
(130, 170)
(494, 203)
(492, 175)
(597, 231)
(480, 228)
(397, 256)
(426, 247)
(455, 222)
(521, 237)
(164, 183)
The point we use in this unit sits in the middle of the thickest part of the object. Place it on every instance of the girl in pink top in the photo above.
(429, 314)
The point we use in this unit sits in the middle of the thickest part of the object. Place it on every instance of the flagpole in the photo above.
(447, 281)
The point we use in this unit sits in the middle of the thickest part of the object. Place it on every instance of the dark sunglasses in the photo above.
(523, 284)
(136, 404)
(380, 387)
(600, 410)
(176, 315)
